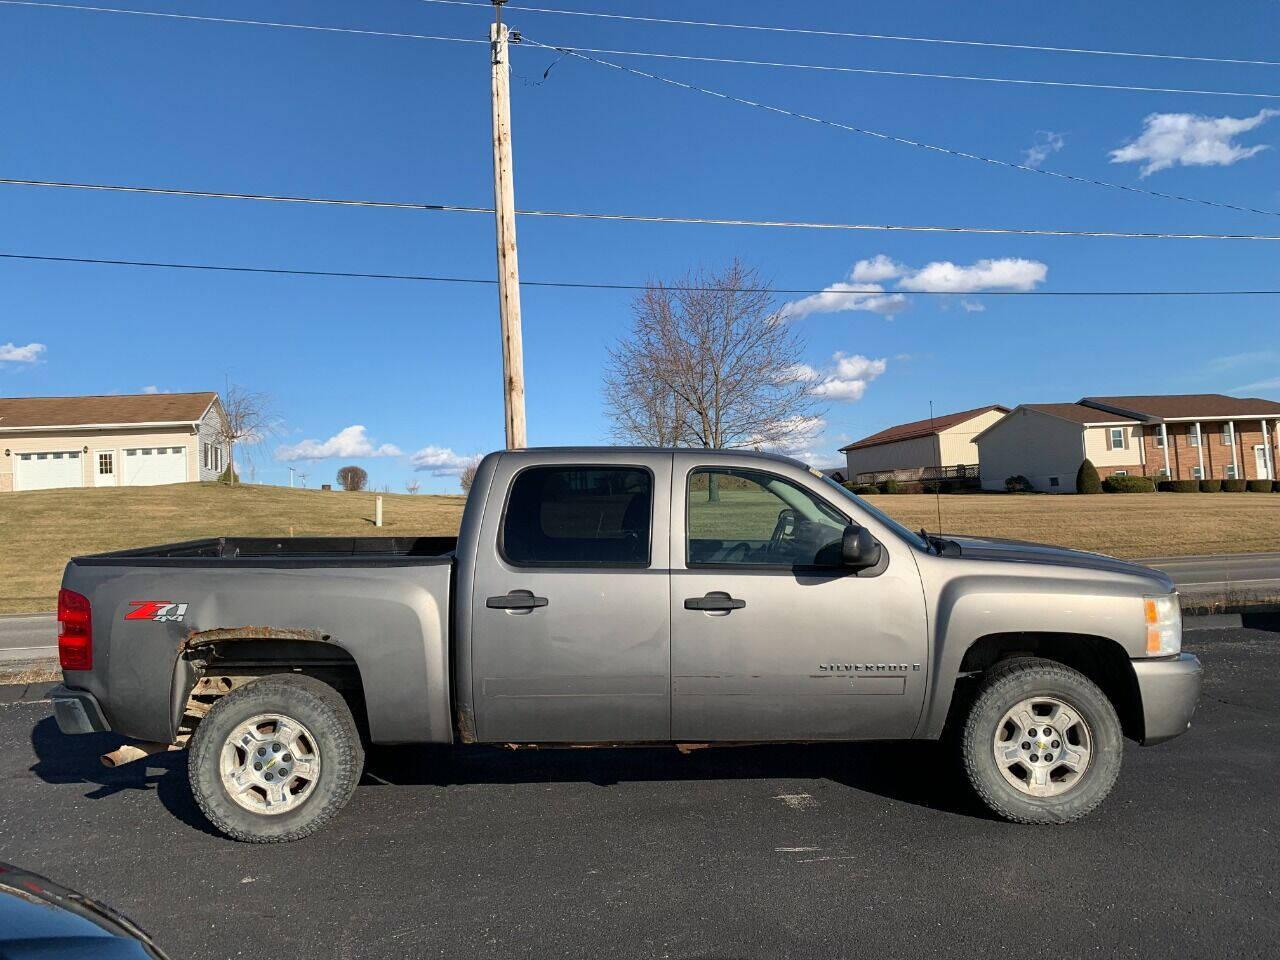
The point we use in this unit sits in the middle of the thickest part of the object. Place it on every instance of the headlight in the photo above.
(1164, 625)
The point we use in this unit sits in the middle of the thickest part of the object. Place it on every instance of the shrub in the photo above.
(1259, 486)
(1275, 486)
(228, 475)
(1087, 480)
(1179, 486)
(860, 488)
(888, 486)
(1210, 486)
(1128, 485)
(1233, 486)
(1018, 484)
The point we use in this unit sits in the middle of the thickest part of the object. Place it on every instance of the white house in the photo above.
(923, 449)
(111, 441)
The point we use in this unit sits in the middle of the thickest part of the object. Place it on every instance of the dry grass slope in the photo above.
(40, 530)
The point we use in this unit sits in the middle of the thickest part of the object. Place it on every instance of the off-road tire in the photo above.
(323, 711)
(1005, 685)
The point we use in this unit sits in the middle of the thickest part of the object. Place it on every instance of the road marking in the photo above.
(795, 849)
(797, 801)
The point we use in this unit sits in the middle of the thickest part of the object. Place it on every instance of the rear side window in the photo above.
(579, 516)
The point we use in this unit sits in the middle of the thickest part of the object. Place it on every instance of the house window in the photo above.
(1117, 438)
(1120, 473)
(106, 464)
(1197, 473)
(1163, 472)
(1231, 471)
(1053, 481)
(1228, 437)
(1193, 435)
(1159, 435)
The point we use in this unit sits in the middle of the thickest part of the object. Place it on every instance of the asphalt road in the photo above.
(789, 851)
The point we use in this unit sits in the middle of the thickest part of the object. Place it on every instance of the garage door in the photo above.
(46, 471)
(147, 466)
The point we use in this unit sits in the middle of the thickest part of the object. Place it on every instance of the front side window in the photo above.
(1231, 471)
(1159, 438)
(1117, 438)
(751, 518)
(578, 516)
(1226, 434)
(1197, 473)
(106, 464)
(1121, 473)
(1193, 435)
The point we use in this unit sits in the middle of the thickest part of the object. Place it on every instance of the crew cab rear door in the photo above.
(570, 608)
(771, 637)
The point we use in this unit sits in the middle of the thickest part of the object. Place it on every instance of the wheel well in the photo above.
(1100, 659)
(213, 669)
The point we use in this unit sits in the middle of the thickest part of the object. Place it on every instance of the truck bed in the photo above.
(285, 551)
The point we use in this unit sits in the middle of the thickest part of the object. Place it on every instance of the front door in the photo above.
(1260, 460)
(571, 637)
(104, 468)
(771, 638)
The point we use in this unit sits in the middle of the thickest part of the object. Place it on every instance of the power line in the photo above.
(823, 68)
(829, 68)
(879, 135)
(638, 218)
(859, 36)
(571, 285)
(252, 23)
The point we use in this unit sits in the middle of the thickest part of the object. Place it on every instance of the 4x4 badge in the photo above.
(160, 611)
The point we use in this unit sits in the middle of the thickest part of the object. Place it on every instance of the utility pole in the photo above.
(504, 209)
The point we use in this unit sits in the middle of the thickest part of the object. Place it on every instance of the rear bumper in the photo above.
(77, 711)
(1170, 690)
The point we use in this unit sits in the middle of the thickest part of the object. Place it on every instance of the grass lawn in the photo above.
(40, 530)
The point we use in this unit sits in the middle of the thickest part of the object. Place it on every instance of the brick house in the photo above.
(1179, 437)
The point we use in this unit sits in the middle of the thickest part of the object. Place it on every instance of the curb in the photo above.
(1213, 621)
(25, 692)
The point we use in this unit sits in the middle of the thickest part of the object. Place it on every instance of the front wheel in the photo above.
(275, 759)
(1042, 743)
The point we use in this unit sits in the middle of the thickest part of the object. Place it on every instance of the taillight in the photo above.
(75, 631)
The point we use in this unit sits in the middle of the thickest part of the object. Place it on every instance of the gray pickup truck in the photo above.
(622, 596)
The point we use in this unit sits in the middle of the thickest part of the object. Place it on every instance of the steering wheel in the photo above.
(787, 520)
(730, 555)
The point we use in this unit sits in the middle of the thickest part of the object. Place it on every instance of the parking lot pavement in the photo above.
(815, 851)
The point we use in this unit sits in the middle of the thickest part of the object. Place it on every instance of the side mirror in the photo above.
(859, 549)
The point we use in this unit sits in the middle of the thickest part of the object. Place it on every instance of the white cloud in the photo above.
(1249, 358)
(972, 306)
(878, 268)
(441, 461)
(349, 442)
(1190, 140)
(153, 389)
(1045, 143)
(865, 291)
(847, 377)
(12, 353)
(1266, 385)
(1008, 273)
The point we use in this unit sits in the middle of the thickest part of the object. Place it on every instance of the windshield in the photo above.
(913, 538)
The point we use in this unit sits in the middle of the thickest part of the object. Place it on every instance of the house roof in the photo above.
(34, 412)
(921, 428)
(1079, 413)
(1180, 406)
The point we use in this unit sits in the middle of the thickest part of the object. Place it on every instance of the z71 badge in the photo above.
(159, 611)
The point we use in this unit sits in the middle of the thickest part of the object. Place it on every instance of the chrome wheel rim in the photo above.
(1043, 747)
(269, 764)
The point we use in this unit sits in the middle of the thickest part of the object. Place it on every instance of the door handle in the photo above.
(516, 600)
(714, 601)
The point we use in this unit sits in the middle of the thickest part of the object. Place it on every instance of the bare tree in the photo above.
(468, 475)
(248, 418)
(353, 478)
(412, 486)
(709, 363)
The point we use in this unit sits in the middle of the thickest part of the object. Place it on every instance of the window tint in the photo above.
(566, 516)
(750, 518)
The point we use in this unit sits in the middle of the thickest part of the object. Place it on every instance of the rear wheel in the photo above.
(1042, 743)
(276, 759)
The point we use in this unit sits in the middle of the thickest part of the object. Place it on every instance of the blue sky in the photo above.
(119, 99)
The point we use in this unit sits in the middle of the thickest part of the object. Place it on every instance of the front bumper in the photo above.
(77, 711)
(1169, 690)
